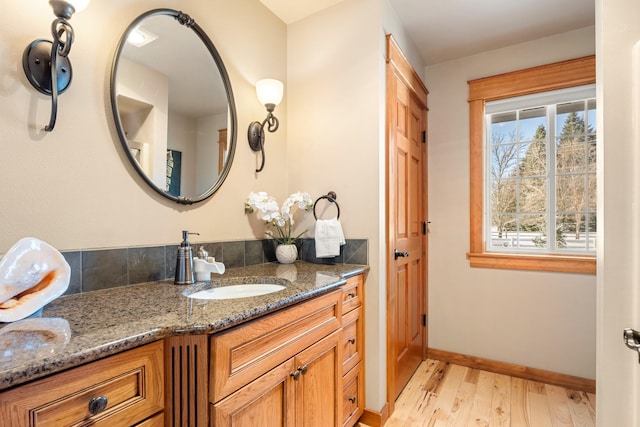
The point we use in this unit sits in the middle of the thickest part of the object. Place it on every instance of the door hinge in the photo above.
(424, 320)
(424, 136)
(424, 226)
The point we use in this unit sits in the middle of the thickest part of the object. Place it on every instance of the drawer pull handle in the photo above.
(98, 404)
(352, 340)
(351, 294)
(352, 399)
(295, 374)
(303, 369)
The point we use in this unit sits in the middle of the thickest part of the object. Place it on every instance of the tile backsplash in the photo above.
(107, 268)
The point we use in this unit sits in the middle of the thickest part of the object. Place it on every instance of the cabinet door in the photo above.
(318, 387)
(266, 402)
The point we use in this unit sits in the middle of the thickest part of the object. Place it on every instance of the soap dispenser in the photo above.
(184, 261)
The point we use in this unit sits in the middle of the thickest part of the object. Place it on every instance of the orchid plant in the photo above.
(281, 218)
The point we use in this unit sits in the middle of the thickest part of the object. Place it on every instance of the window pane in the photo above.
(503, 161)
(570, 154)
(591, 116)
(591, 153)
(575, 233)
(533, 124)
(570, 119)
(592, 190)
(503, 128)
(533, 159)
(503, 196)
(570, 193)
(503, 233)
(531, 232)
(533, 195)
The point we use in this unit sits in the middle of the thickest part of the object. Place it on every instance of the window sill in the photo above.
(557, 263)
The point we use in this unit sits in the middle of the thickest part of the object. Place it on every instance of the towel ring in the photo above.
(330, 196)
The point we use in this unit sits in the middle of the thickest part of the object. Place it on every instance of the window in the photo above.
(533, 182)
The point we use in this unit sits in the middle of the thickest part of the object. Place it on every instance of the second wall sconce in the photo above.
(269, 93)
(45, 63)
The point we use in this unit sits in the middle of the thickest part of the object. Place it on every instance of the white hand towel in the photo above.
(329, 237)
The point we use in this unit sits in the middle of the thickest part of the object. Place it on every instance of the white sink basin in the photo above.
(237, 291)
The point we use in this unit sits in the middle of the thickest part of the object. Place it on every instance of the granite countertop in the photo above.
(80, 328)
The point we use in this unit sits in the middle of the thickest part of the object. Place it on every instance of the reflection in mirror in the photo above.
(173, 106)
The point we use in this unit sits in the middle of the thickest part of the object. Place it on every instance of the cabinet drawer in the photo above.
(352, 293)
(131, 384)
(353, 396)
(352, 339)
(243, 353)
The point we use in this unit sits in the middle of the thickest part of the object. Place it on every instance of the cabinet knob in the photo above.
(303, 369)
(295, 374)
(352, 399)
(98, 404)
(352, 340)
(351, 294)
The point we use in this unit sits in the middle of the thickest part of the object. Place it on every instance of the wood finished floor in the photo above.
(442, 394)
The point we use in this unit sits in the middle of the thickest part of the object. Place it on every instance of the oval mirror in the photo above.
(173, 106)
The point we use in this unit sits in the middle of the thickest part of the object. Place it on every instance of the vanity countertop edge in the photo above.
(106, 322)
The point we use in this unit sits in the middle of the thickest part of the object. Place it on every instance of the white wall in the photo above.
(536, 319)
(74, 187)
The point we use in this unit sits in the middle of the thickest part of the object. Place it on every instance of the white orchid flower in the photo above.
(266, 208)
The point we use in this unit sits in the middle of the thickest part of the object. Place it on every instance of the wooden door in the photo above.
(406, 227)
(318, 388)
(266, 402)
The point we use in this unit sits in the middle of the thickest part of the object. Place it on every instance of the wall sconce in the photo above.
(45, 63)
(269, 93)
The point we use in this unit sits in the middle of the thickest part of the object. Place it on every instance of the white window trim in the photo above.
(549, 100)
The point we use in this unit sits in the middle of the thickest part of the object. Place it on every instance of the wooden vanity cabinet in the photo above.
(124, 389)
(280, 370)
(302, 366)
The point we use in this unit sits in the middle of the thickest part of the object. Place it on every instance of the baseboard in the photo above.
(375, 419)
(562, 380)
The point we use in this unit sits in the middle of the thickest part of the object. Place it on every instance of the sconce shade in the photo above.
(269, 91)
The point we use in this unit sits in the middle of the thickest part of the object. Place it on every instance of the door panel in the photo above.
(406, 209)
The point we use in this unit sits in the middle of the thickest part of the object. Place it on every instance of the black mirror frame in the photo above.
(188, 22)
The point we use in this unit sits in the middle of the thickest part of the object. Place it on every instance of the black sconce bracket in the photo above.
(256, 132)
(46, 65)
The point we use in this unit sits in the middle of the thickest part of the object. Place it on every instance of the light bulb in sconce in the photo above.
(269, 93)
(45, 63)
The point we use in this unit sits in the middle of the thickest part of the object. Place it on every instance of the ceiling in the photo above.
(450, 29)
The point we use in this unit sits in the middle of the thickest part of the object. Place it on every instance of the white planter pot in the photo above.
(286, 254)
